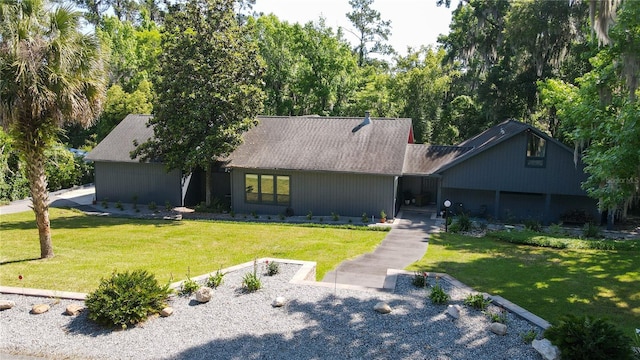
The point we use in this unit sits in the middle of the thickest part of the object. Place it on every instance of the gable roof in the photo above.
(117, 146)
(423, 159)
(494, 136)
(314, 143)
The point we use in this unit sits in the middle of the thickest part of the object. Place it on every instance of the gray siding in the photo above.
(503, 168)
(323, 193)
(149, 182)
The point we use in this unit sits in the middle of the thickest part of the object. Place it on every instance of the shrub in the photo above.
(251, 282)
(309, 215)
(365, 218)
(288, 212)
(216, 279)
(533, 225)
(188, 287)
(119, 205)
(335, 217)
(585, 338)
(273, 268)
(168, 206)
(556, 229)
(477, 301)
(152, 206)
(126, 299)
(420, 279)
(438, 295)
(499, 317)
(591, 230)
(464, 221)
(529, 336)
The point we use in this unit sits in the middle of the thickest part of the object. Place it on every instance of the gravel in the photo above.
(316, 323)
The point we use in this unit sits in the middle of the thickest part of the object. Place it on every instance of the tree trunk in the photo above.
(207, 191)
(40, 198)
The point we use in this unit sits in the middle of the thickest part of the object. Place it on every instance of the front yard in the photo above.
(548, 282)
(88, 248)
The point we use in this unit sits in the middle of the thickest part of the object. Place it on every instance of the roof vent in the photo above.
(366, 121)
(502, 132)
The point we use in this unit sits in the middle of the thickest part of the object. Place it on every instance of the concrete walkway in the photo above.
(404, 244)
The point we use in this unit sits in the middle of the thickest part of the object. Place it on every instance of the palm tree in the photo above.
(50, 74)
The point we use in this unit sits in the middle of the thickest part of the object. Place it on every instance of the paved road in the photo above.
(76, 197)
(404, 244)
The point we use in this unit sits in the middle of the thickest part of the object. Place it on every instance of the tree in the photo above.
(208, 87)
(50, 73)
(371, 30)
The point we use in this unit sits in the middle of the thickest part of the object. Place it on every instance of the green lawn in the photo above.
(547, 282)
(88, 248)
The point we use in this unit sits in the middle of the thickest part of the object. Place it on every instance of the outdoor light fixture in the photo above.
(447, 204)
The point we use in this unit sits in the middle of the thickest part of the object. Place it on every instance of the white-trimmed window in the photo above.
(536, 151)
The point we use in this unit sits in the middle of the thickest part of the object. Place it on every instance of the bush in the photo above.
(533, 225)
(216, 279)
(419, 279)
(188, 287)
(251, 282)
(273, 268)
(438, 295)
(464, 221)
(477, 301)
(591, 230)
(126, 299)
(588, 338)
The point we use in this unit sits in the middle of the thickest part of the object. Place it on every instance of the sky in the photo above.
(413, 22)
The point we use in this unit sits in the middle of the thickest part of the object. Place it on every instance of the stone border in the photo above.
(306, 276)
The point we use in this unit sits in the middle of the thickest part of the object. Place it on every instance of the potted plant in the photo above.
(383, 216)
(407, 197)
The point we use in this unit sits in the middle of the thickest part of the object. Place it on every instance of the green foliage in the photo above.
(499, 317)
(371, 30)
(126, 299)
(588, 338)
(383, 215)
(208, 86)
(216, 279)
(528, 336)
(335, 217)
(591, 230)
(119, 205)
(273, 268)
(365, 218)
(189, 286)
(309, 215)
(438, 295)
(556, 230)
(533, 225)
(419, 279)
(477, 301)
(562, 242)
(251, 282)
(152, 206)
(120, 103)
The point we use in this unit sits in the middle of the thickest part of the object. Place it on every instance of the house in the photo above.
(351, 166)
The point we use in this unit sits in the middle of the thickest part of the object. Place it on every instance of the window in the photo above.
(267, 189)
(536, 150)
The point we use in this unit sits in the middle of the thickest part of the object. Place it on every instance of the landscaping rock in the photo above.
(168, 311)
(454, 311)
(382, 308)
(204, 294)
(6, 304)
(279, 301)
(498, 328)
(74, 309)
(545, 348)
(40, 309)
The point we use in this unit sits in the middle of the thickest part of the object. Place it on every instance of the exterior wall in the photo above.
(149, 182)
(323, 193)
(503, 168)
(520, 206)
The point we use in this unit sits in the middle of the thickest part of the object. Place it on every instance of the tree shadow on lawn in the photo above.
(86, 222)
(549, 282)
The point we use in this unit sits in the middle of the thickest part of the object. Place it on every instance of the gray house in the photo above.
(349, 167)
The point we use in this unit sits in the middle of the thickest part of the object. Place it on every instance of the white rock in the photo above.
(6, 304)
(279, 301)
(40, 309)
(168, 311)
(73, 309)
(454, 311)
(204, 294)
(382, 308)
(498, 328)
(545, 348)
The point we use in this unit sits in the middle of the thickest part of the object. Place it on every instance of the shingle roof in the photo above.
(423, 159)
(325, 144)
(119, 143)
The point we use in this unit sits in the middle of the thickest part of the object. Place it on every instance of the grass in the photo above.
(548, 282)
(89, 248)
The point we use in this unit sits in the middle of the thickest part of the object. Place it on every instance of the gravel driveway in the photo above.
(316, 323)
